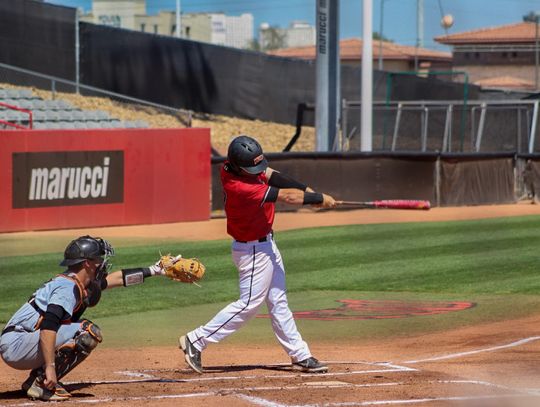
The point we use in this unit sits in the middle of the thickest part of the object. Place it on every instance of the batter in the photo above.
(251, 189)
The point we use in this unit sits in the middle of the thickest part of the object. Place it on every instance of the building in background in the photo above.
(500, 57)
(298, 34)
(239, 30)
(213, 28)
(119, 14)
(395, 57)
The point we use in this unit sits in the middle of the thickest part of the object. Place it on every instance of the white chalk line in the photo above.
(390, 368)
(473, 352)
(261, 366)
(268, 403)
(222, 392)
(417, 401)
(227, 378)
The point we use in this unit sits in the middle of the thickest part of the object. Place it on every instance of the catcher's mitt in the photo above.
(183, 270)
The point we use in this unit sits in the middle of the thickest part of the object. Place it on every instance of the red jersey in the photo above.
(248, 216)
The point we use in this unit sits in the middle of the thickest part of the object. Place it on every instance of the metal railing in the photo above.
(446, 126)
(25, 77)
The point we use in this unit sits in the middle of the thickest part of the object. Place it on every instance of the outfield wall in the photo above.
(56, 179)
(444, 179)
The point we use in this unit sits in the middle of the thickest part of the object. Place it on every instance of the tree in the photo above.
(377, 36)
(254, 45)
(272, 38)
(531, 17)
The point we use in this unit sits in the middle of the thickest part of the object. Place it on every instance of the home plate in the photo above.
(328, 383)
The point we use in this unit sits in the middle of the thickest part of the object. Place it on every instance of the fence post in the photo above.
(480, 127)
(425, 128)
(77, 56)
(438, 180)
(396, 126)
(533, 128)
(344, 135)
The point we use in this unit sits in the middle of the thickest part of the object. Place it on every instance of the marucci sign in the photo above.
(66, 178)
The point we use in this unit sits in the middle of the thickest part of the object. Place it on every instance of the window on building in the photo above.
(467, 55)
(173, 30)
(477, 55)
(188, 29)
(505, 54)
(514, 54)
(143, 26)
(155, 28)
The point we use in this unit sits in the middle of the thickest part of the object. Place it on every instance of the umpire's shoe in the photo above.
(37, 391)
(310, 365)
(191, 354)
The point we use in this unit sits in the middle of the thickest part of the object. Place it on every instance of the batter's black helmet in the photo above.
(86, 247)
(245, 153)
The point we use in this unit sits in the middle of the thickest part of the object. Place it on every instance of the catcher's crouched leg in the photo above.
(70, 355)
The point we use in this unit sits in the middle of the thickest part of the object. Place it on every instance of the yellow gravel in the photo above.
(272, 136)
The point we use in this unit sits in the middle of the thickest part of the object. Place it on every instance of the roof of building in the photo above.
(524, 32)
(505, 82)
(351, 50)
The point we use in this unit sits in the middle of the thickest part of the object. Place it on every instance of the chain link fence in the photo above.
(449, 126)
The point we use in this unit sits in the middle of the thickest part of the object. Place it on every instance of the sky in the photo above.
(399, 16)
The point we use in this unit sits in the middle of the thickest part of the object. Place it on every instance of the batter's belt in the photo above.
(260, 240)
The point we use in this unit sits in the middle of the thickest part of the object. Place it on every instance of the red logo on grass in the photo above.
(380, 309)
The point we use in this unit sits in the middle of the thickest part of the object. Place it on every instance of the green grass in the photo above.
(496, 258)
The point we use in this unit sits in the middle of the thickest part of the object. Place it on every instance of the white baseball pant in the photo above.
(261, 278)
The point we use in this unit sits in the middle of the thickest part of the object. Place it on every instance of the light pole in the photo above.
(381, 35)
(536, 18)
(178, 21)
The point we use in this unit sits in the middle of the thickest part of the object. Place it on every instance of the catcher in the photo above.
(48, 334)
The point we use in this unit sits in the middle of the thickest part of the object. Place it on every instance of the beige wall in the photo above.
(197, 27)
(477, 72)
(119, 13)
(392, 66)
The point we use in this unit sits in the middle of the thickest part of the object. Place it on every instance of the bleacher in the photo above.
(56, 114)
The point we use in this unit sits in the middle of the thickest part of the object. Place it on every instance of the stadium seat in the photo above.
(142, 124)
(65, 125)
(78, 115)
(51, 105)
(64, 104)
(101, 115)
(26, 104)
(40, 125)
(38, 104)
(51, 115)
(116, 124)
(92, 125)
(39, 115)
(64, 115)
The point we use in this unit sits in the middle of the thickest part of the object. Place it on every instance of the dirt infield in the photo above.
(47, 241)
(488, 365)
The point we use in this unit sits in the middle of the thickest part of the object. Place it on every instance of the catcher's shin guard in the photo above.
(70, 355)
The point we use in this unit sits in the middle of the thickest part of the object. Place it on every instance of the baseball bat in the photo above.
(389, 204)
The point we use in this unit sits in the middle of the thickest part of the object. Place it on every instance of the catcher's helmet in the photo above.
(91, 248)
(245, 153)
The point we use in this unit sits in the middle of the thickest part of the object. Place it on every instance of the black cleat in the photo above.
(310, 365)
(191, 354)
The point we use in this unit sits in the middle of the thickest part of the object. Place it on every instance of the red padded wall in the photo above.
(166, 177)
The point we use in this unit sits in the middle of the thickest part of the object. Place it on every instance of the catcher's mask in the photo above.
(89, 248)
(245, 153)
